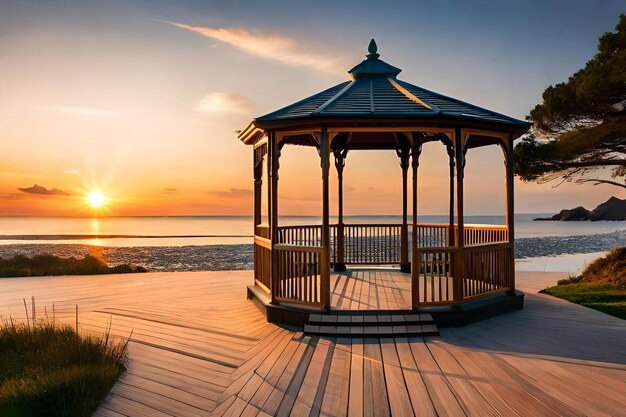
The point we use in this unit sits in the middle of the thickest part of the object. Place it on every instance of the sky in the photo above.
(141, 100)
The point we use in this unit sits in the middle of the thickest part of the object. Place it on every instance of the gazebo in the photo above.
(457, 273)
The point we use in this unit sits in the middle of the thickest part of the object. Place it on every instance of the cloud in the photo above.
(236, 193)
(11, 196)
(71, 172)
(221, 103)
(169, 191)
(270, 46)
(84, 111)
(39, 190)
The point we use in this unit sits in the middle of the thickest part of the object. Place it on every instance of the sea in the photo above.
(183, 243)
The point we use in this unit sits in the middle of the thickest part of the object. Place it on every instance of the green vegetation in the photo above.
(602, 285)
(609, 270)
(605, 298)
(40, 265)
(48, 370)
(580, 126)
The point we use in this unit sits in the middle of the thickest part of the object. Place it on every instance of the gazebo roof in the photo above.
(375, 93)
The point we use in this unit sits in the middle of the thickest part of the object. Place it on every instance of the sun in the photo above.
(96, 199)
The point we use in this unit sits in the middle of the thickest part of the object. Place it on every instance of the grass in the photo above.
(41, 265)
(47, 369)
(601, 286)
(606, 298)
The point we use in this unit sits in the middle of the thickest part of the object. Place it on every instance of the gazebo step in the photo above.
(377, 325)
(374, 320)
(372, 331)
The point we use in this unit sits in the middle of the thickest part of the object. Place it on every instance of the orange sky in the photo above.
(142, 101)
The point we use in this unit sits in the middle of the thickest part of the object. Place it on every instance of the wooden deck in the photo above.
(200, 348)
(370, 289)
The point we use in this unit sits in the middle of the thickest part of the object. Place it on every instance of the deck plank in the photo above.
(418, 393)
(439, 390)
(375, 401)
(336, 395)
(399, 399)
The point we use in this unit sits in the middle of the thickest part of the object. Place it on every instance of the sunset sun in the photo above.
(96, 199)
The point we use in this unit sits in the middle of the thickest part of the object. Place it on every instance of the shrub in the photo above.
(610, 269)
(570, 280)
(41, 265)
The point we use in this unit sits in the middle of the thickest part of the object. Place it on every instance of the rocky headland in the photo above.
(612, 209)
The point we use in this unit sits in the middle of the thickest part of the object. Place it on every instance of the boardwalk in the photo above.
(200, 348)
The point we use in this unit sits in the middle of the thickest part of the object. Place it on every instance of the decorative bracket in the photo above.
(450, 150)
(416, 148)
(340, 157)
(403, 154)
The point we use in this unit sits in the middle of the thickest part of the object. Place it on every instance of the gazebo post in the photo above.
(273, 152)
(257, 160)
(405, 265)
(450, 149)
(510, 208)
(415, 262)
(325, 258)
(460, 238)
(340, 162)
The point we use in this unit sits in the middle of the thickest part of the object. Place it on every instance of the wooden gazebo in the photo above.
(451, 265)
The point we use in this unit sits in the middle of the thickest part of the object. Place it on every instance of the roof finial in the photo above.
(372, 49)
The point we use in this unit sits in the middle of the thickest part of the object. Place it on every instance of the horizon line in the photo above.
(245, 215)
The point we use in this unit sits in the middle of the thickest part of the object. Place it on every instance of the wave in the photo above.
(532, 247)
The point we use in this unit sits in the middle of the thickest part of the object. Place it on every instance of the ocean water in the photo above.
(224, 242)
(224, 230)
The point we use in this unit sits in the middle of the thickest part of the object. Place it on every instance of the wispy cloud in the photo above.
(169, 191)
(236, 193)
(270, 46)
(71, 172)
(84, 111)
(39, 190)
(11, 196)
(222, 103)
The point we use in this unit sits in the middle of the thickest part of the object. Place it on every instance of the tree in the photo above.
(579, 129)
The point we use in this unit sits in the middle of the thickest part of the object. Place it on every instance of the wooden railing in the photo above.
(432, 235)
(302, 275)
(487, 268)
(380, 243)
(262, 230)
(482, 233)
(486, 260)
(263, 262)
(435, 275)
(300, 235)
(309, 235)
(372, 243)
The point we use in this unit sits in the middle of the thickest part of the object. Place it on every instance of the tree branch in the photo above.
(598, 181)
(591, 163)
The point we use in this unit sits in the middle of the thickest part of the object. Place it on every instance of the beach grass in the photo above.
(606, 298)
(47, 369)
(601, 286)
(43, 265)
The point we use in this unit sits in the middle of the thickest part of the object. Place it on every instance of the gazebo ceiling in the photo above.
(376, 95)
